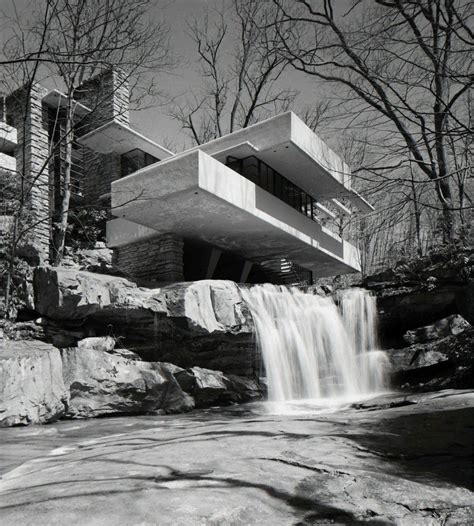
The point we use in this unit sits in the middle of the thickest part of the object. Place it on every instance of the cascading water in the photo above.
(310, 351)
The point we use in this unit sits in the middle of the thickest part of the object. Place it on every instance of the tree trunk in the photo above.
(60, 234)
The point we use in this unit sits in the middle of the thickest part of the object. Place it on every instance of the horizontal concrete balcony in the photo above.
(8, 138)
(57, 100)
(291, 148)
(116, 137)
(7, 162)
(197, 197)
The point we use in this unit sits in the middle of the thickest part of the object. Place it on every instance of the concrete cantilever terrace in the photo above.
(196, 196)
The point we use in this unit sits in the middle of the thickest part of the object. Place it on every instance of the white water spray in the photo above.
(313, 353)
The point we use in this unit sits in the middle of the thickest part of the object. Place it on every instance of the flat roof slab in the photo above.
(115, 137)
(290, 147)
(8, 138)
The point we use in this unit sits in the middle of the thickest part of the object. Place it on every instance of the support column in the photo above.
(245, 271)
(213, 261)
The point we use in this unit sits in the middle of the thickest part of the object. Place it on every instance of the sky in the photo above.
(154, 121)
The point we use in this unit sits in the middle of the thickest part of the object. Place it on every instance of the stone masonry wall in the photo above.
(100, 170)
(155, 259)
(108, 96)
(32, 164)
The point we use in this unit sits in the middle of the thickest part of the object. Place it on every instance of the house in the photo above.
(260, 204)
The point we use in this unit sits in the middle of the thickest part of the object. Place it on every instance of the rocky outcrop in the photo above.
(32, 389)
(102, 384)
(101, 343)
(214, 388)
(465, 301)
(204, 323)
(418, 293)
(440, 364)
(452, 325)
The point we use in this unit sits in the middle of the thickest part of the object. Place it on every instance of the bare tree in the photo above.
(86, 37)
(71, 39)
(241, 73)
(403, 68)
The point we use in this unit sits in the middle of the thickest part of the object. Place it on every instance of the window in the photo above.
(270, 180)
(136, 160)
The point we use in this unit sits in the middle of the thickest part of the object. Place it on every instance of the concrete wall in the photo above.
(156, 259)
(30, 119)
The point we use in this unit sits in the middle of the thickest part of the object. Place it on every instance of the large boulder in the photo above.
(102, 384)
(454, 324)
(69, 294)
(32, 389)
(447, 363)
(403, 309)
(206, 386)
(416, 293)
(209, 387)
(204, 323)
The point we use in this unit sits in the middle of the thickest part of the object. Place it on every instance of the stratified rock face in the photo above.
(452, 325)
(465, 302)
(32, 389)
(419, 292)
(101, 383)
(204, 323)
(442, 364)
(68, 294)
(403, 309)
(214, 387)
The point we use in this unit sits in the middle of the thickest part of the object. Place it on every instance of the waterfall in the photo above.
(313, 351)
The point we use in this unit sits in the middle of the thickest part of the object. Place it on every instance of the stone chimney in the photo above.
(28, 115)
(107, 95)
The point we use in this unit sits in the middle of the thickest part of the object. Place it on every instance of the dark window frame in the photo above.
(275, 183)
(129, 165)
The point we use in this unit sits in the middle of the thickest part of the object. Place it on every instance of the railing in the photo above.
(270, 180)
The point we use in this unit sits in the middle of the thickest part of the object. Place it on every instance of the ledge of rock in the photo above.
(213, 387)
(102, 384)
(447, 363)
(32, 389)
(204, 323)
(418, 293)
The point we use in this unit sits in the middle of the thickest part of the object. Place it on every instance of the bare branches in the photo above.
(240, 71)
(409, 63)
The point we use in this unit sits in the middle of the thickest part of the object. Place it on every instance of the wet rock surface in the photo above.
(32, 390)
(379, 464)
